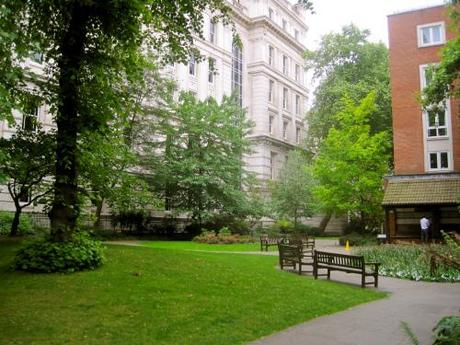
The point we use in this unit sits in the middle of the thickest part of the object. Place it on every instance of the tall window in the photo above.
(285, 129)
(273, 165)
(284, 24)
(271, 56)
(285, 65)
(37, 57)
(271, 90)
(431, 34)
(212, 31)
(271, 120)
(30, 117)
(297, 135)
(211, 70)
(297, 104)
(271, 13)
(296, 34)
(192, 66)
(285, 98)
(237, 73)
(297, 73)
(436, 118)
(439, 160)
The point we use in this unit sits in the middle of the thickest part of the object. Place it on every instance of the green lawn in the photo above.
(161, 296)
(190, 245)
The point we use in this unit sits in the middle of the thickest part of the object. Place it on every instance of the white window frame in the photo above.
(35, 116)
(297, 104)
(285, 129)
(271, 55)
(423, 84)
(442, 34)
(192, 66)
(271, 91)
(438, 161)
(297, 73)
(211, 70)
(271, 121)
(212, 31)
(285, 65)
(285, 98)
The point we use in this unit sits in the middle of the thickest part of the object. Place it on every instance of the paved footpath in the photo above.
(419, 304)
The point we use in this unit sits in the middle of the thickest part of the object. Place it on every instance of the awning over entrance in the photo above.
(422, 192)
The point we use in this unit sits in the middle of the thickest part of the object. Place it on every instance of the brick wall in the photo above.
(405, 60)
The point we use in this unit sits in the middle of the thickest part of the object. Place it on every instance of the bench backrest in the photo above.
(287, 251)
(341, 260)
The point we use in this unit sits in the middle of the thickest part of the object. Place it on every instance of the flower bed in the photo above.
(410, 262)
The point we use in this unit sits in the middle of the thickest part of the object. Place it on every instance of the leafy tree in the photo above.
(445, 75)
(351, 164)
(27, 161)
(94, 50)
(347, 64)
(292, 193)
(200, 170)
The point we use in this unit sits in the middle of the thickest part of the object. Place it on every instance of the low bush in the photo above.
(25, 227)
(44, 255)
(410, 262)
(447, 331)
(223, 236)
(355, 239)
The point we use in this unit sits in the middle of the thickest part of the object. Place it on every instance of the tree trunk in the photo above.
(64, 211)
(324, 221)
(99, 205)
(15, 223)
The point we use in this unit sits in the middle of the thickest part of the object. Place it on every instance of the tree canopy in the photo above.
(347, 64)
(93, 52)
(351, 164)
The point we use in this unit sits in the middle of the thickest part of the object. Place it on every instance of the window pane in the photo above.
(432, 132)
(436, 33)
(442, 131)
(441, 118)
(426, 35)
(433, 161)
(444, 160)
(431, 119)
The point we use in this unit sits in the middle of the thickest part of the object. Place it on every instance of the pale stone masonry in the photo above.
(272, 75)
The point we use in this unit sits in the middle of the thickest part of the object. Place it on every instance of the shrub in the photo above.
(44, 255)
(25, 223)
(355, 239)
(409, 262)
(224, 236)
(307, 229)
(284, 226)
(447, 331)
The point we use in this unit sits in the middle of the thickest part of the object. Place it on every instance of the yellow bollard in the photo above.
(347, 246)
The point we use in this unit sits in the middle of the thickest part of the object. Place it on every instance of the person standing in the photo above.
(424, 227)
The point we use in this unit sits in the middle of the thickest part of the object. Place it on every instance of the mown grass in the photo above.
(158, 296)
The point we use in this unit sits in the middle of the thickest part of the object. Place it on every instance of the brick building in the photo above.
(426, 178)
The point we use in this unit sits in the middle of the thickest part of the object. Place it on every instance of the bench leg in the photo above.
(328, 274)
(363, 280)
(315, 271)
(376, 280)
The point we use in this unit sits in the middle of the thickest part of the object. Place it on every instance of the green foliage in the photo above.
(285, 226)
(25, 227)
(347, 64)
(356, 239)
(201, 170)
(447, 331)
(445, 75)
(223, 236)
(351, 164)
(291, 194)
(409, 262)
(44, 255)
(95, 52)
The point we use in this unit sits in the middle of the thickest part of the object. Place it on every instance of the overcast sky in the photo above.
(331, 15)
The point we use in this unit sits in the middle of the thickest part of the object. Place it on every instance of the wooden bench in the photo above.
(267, 241)
(345, 263)
(295, 254)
